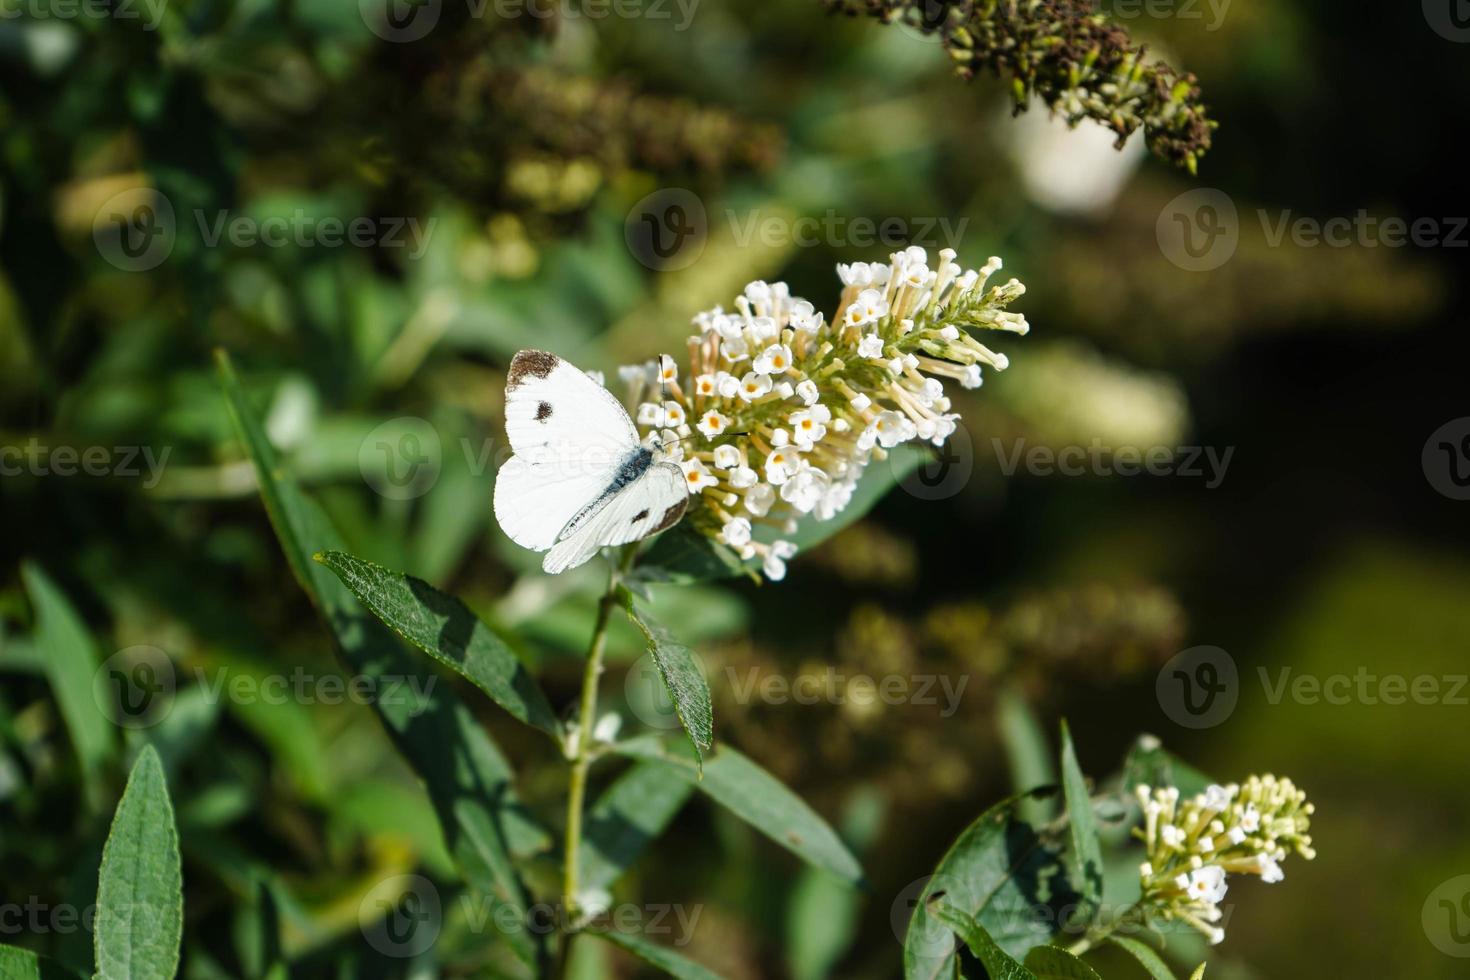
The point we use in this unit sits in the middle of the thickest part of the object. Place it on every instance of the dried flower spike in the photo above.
(1070, 56)
(781, 410)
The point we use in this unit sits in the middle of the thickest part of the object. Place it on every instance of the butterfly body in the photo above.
(580, 479)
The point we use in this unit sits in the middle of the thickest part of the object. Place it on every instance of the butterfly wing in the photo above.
(649, 504)
(554, 410)
(569, 434)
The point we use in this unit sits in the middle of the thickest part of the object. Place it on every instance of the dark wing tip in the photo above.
(535, 363)
(671, 516)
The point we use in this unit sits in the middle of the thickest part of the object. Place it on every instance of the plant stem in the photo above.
(586, 719)
(1095, 936)
(1080, 946)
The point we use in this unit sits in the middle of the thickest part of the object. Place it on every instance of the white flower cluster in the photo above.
(1192, 845)
(782, 410)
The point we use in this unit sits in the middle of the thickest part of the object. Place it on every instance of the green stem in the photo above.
(586, 718)
(1095, 936)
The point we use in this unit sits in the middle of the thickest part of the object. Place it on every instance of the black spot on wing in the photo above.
(671, 516)
(533, 363)
(639, 516)
(543, 411)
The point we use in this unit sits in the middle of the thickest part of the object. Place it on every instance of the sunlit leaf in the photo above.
(1055, 963)
(755, 796)
(1085, 863)
(682, 677)
(1145, 955)
(140, 900)
(998, 963)
(445, 629)
(1002, 872)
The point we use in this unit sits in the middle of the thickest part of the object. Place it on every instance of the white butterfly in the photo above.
(580, 479)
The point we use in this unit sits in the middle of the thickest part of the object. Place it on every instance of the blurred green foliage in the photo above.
(518, 145)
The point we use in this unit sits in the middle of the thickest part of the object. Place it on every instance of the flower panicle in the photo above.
(781, 408)
(1192, 844)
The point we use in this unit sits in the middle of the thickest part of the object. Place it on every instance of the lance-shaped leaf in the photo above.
(681, 676)
(69, 657)
(1145, 955)
(1003, 873)
(1055, 963)
(998, 963)
(626, 818)
(660, 956)
(140, 897)
(1027, 752)
(467, 777)
(755, 796)
(445, 629)
(1085, 862)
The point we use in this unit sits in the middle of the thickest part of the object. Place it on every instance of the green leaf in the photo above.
(445, 629)
(1199, 973)
(283, 725)
(1055, 963)
(22, 964)
(758, 798)
(681, 675)
(1085, 863)
(822, 920)
(70, 658)
(257, 932)
(626, 818)
(1027, 753)
(467, 777)
(1002, 872)
(998, 963)
(140, 899)
(823, 915)
(1149, 765)
(660, 956)
(1145, 955)
(684, 556)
